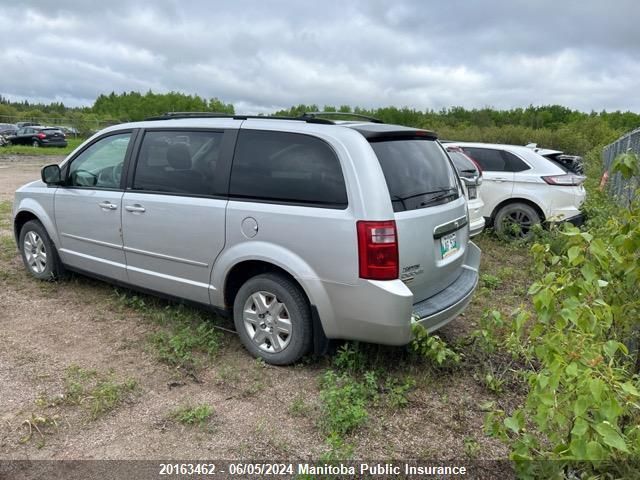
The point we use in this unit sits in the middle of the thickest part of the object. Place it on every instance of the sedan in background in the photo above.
(37, 136)
(471, 175)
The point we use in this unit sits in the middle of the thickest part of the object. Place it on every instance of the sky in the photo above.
(267, 55)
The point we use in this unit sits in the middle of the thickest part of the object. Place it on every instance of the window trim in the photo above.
(127, 157)
(292, 203)
(220, 187)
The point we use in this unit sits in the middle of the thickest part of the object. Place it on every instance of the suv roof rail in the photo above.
(345, 114)
(175, 115)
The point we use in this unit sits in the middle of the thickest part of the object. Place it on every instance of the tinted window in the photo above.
(489, 159)
(178, 162)
(465, 167)
(418, 172)
(287, 167)
(513, 163)
(100, 165)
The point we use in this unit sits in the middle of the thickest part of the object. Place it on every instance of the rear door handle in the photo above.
(135, 208)
(500, 179)
(107, 205)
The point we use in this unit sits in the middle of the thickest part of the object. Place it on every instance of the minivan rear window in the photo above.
(417, 171)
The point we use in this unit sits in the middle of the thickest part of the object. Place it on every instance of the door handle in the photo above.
(107, 205)
(499, 179)
(135, 208)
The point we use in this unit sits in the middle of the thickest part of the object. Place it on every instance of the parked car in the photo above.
(471, 175)
(7, 129)
(573, 163)
(301, 229)
(68, 130)
(522, 189)
(38, 136)
(20, 125)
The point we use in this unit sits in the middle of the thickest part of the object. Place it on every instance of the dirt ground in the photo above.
(46, 328)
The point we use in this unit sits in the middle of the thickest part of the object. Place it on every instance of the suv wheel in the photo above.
(38, 252)
(35, 143)
(273, 319)
(516, 220)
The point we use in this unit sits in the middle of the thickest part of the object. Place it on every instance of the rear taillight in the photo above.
(568, 179)
(378, 250)
(41, 136)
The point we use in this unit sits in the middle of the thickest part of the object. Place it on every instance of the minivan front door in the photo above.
(88, 208)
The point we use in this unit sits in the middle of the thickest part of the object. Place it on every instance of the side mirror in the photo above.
(51, 174)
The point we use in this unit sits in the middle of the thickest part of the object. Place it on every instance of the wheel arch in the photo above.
(25, 215)
(526, 201)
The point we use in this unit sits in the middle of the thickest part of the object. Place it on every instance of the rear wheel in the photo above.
(38, 252)
(515, 221)
(273, 319)
(35, 143)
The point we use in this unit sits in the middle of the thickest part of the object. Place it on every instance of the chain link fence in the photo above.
(623, 190)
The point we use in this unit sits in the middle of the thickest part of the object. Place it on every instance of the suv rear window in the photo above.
(287, 168)
(417, 171)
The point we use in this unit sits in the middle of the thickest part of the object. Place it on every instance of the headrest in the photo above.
(179, 156)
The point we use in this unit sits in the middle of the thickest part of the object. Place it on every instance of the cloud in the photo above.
(264, 56)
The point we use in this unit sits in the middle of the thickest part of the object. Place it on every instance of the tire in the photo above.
(273, 319)
(515, 221)
(33, 243)
(35, 144)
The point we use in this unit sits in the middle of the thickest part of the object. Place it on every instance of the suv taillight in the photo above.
(568, 179)
(41, 136)
(378, 250)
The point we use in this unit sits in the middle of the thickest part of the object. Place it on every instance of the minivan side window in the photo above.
(287, 168)
(100, 165)
(180, 162)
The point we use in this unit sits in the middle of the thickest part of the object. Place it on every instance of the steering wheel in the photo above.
(110, 176)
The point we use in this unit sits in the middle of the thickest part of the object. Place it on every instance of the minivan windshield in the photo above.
(417, 171)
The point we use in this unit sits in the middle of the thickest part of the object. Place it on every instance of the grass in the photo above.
(99, 392)
(72, 144)
(189, 337)
(193, 415)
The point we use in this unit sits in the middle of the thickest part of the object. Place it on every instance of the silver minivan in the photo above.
(301, 229)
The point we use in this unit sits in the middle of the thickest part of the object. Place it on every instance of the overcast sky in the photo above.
(266, 55)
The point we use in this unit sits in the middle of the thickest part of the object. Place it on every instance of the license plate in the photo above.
(448, 245)
(472, 192)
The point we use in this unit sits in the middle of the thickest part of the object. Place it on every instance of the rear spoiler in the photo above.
(408, 134)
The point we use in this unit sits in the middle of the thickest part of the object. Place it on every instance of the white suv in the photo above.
(522, 188)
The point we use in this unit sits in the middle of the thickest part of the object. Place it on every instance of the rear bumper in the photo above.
(382, 311)
(577, 220)
(443, 307)
(476, 226)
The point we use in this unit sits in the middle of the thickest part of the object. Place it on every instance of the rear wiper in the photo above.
(432, 192)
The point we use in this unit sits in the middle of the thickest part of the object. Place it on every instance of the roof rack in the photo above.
(342, 114)
(175, 115)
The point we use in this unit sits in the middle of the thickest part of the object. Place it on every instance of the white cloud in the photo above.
(263, 56)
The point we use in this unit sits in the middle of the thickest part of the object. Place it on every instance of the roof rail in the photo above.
(344, 114)
(175, 115)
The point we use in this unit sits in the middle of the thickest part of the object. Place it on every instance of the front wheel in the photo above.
(515, 221)
(273, 319)
(38, 252)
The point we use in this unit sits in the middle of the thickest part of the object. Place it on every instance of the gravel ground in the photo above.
(48, 327)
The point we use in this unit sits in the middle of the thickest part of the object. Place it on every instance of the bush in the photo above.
(583, 404)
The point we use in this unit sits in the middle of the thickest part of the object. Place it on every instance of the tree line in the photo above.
(552, 126)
